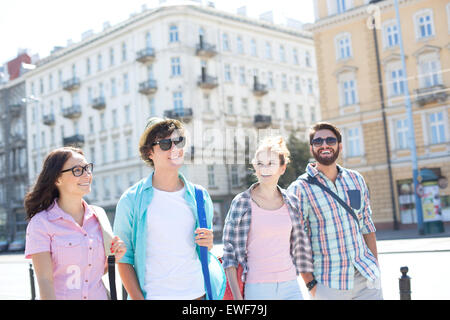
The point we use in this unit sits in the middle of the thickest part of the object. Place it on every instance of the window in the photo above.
(206, 102)
(91, 125)
(282, 54)
(353, 142)
(114, 118)
(99, 62)
(152, 107)
(148, 40)
(124, 52)
(401, 134)
(227, 73)
(211, 178)
(129, 148)
(240, 46)
(50, 82)
(273, 109)
(395, 83)
(313, 114)
(343, 46)
(310, 86)
(268, 51)
(437, 127)
(230, 107)
(298, 88)
(102, 122)
(173, 34)
(111, 56)
(424, 24)
(253, 47)
(284, 85)
(295, 56)
(118, 184)
(106, 189)
(429, 70)
(244, 106)
(116, 150)
(104, 154)
(300, 114)
(225, 42)
(391, 36)
(178, 100)
(88, 66)
(113, 87)
(175, 66)
(242, 75)
(270, 82)
(347, 89)
(126, 83)
(286, 111)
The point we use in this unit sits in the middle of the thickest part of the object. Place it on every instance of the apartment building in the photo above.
(373, 118)
(228, 77)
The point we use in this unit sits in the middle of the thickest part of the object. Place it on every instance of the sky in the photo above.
(39, 25)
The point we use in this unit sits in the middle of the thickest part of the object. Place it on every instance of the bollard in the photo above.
(405, 284)
(33, 290)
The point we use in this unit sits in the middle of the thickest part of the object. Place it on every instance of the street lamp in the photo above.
(411, 138)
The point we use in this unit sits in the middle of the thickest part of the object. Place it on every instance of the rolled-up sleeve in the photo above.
(123, 227)
(229, 240)
(368, 225)
(37, 237)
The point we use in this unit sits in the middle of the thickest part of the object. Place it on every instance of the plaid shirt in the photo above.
(337, 243)
(237, 226)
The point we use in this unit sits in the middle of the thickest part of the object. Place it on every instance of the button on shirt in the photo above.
(337, 243)
(77, 253)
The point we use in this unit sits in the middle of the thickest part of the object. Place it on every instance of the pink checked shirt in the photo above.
(77, 252)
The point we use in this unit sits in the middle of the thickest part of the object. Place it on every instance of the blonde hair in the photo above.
(274, 144)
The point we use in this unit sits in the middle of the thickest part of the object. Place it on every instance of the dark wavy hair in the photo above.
(44, 191)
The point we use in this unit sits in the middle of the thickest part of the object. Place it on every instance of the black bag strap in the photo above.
(112, 276)
(313, 180)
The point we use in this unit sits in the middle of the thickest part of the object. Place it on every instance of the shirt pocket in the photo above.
(354, 199)
(69, 250)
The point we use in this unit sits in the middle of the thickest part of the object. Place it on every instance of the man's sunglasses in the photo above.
(78, 171)
(317, 142)
(166, 144)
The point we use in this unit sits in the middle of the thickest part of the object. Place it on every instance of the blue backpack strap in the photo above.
(203, 250)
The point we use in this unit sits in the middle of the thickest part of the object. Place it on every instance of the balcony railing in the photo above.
(148, 87)
(437, 93)
(72, 112)
(262, 121)
(206, 50)
(207, 82)
(99, 103)
(76, 140)
(184, 114)
(71, 84)
(258, 88)
(145, 55)
(15, 109)
(48, 119)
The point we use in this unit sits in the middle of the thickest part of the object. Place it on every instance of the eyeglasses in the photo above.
(317, 142)
(78, 171)
(166, 144)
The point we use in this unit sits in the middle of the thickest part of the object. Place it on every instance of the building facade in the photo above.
(353, 58)
(13, 163)
(231, 79)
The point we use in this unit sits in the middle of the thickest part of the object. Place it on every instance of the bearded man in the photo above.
(335, 212)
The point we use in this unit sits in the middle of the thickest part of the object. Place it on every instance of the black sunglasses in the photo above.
(78, 171)
(317, 142)
(166, 144)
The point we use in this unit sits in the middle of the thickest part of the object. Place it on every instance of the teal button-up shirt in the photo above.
(131, 219)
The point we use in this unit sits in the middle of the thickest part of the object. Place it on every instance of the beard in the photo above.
(326, 161)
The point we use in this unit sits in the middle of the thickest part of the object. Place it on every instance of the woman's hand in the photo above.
(118, 248)
(204, 237)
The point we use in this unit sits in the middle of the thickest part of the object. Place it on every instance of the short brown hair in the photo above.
(277, 145)
(156, 128)
(324, 126)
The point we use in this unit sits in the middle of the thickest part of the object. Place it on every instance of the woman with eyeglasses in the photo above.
(158, 220)
(64, 238)
(263, 233)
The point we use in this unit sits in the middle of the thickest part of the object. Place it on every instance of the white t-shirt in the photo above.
(173, 269)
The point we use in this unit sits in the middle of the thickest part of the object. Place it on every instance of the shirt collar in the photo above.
(311, 169)
(148, 183)
(54, 212)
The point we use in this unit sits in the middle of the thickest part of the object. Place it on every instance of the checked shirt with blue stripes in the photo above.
(337, 242)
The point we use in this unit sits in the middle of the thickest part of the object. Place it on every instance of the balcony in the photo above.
(437, 93)
(76, 140)
(15, 109)
(259, 89)
(145, 55)
(148, 87)
(72, 112)
(262, 121)
(207, 82)
(184, 115)
(205, 49)
(71, 84)
(48, 119)
(99, 103)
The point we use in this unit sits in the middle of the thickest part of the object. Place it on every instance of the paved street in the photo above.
(428, 260)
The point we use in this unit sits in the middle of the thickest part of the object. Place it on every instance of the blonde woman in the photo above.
(263, 232)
